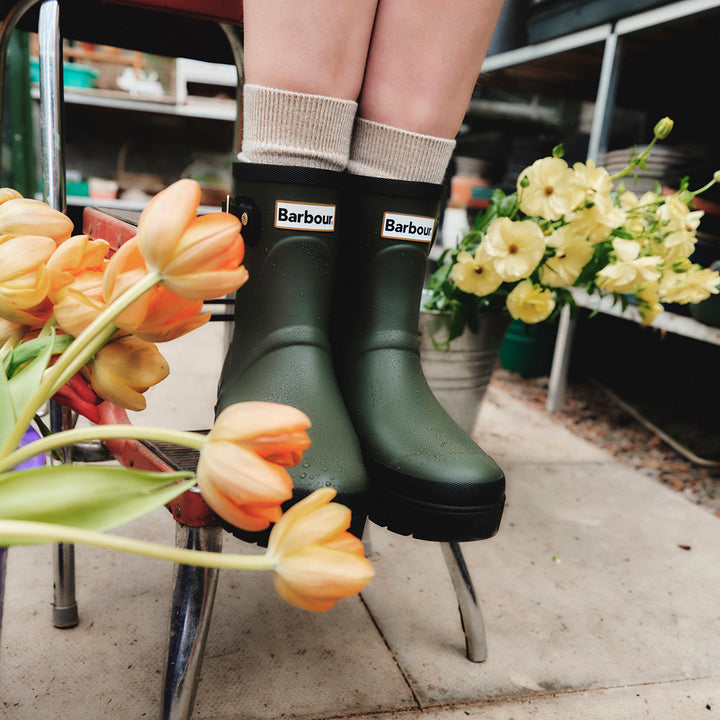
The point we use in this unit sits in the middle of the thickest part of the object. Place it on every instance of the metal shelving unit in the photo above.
(607, 38)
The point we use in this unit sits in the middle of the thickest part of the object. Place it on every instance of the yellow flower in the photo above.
(692, 286)
(650, 306)
(515, 247)
(680, 225)
(318, 562)
(22, 216)
(241, 470)
(475, 274)
(549, 189)
(635, 209)
(24, 280)
(572, 254)
(678, 244)
(198, 258)
(630, 271)
(598, 221)
(595, 181)
(530, 303)
(124, 369)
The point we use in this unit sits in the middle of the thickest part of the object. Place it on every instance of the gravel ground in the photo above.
(592, 414)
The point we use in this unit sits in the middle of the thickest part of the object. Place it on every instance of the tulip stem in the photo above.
(85, 345)
(193, 440)
(25, 531)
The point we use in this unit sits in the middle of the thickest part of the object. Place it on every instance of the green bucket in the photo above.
(528, 349)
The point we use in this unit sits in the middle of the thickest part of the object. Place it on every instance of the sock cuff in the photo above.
(380, 150)
(282, 127)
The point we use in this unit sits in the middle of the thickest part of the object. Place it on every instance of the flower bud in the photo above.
(124, 369)
(24, 280)
(663, 128)
(241, 472)
(318, 562)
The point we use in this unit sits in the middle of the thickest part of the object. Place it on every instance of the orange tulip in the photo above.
(198, 258)
(24, 280)
(318, 561)
(241, 470)
(159, 315)
(72, 258)
(124, 369)
(75, 310)
(23, 216)
(165, 219)
(8, 194)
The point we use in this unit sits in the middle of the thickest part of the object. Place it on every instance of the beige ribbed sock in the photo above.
(281, 127)
(383, 151)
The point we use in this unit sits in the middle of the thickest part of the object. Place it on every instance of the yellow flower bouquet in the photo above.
(79, 326)
(574, 227)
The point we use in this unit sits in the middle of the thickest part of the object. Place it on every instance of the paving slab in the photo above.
(599, 578)
(264, 659)
(599, 596)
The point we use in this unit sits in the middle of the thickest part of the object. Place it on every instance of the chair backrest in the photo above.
(175, 28)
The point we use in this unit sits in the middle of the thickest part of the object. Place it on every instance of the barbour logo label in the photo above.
(304, 216)
(397, 226)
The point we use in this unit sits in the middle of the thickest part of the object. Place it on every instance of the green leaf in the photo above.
(94, 497)
(25, 381)
(32, 348)
(7, 411)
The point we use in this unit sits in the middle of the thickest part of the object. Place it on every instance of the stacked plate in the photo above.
(659, 167)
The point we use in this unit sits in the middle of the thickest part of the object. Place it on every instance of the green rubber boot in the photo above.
(280, 351)
(427, 477)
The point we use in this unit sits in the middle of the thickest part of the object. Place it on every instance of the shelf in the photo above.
(120, 204)
(665, 321)
(194, 107)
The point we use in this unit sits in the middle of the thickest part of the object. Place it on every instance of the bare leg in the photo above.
(424, 61)
(311, 46)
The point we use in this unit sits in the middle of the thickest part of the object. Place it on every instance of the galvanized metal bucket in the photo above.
(460, 375)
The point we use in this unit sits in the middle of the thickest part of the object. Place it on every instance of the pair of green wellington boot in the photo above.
(328, 323)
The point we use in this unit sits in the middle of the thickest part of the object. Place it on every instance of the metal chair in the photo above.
(145, 25)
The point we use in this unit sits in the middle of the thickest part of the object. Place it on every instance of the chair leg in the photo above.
(192, 603)
(470, 612)
(65, 608)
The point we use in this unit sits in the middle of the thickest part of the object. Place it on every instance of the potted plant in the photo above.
(564, 228)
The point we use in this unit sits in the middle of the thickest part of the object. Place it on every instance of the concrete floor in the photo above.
(600, 599)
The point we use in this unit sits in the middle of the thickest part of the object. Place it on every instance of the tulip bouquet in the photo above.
(79, 326)
(574, 227)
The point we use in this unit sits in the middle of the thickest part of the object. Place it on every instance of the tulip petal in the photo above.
(241, 487)
(297, 512)
(165, 219)
(274, 431)
(207, 285)
(25, 216)
(210, 242)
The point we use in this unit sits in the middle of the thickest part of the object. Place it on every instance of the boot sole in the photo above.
(427, 521)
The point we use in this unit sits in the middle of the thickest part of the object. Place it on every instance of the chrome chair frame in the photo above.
(194, 588)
